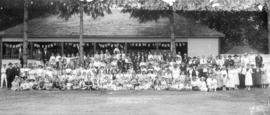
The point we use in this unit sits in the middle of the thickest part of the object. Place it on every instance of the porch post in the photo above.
(157, 46)
(31, 50)
(81, 34)
(172, 23)
(25, 33)
(126, 47)
(62, 48)
(12, 53)
(95, 47)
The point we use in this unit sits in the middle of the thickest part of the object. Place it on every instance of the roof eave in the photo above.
(108, 36)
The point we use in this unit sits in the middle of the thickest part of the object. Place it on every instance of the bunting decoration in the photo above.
(13, 45)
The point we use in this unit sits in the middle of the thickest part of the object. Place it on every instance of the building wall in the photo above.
(205, 46)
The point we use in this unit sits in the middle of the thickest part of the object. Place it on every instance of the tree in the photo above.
(64, 8)
(238, 20)
(95, 8)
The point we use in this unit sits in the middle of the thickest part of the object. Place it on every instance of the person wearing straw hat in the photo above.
(245, 60)
(259, 60)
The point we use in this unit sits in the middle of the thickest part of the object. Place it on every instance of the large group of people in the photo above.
(138, 71)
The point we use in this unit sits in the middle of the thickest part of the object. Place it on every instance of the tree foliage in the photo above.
(239, 20)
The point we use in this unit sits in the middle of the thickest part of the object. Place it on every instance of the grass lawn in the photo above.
(239, 102)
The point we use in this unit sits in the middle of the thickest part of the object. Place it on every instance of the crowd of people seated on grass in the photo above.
(138, 71)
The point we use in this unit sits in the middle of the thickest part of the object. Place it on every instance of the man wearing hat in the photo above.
(10, 75)
(259, 61)
(17, 69)
(229, 62)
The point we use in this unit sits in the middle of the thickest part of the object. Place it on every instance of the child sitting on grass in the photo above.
(16, 84)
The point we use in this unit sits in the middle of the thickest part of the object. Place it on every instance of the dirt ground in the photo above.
(240, 102)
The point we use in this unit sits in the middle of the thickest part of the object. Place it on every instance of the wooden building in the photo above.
(62, 36)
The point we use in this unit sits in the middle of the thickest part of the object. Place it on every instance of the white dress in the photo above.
(248, 79)
(266, 75)
(224, 77)
(230, 81)
(236, 76)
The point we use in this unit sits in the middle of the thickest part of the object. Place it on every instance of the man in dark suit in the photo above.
(45, 56)
(17, 69)
(259, 61)
(121, 64)
(10, 75)
(229, 62)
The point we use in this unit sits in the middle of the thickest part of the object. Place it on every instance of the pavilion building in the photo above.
(61, 36)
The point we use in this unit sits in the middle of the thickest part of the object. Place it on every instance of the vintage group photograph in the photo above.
(135, 57)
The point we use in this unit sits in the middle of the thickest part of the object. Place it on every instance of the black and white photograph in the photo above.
(135, 57)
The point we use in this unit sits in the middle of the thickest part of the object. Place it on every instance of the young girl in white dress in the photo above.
(211, 83)
(202, 85)
(248, 79)
(224, 77)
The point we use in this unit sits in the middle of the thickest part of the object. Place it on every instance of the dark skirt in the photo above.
(242, 80)
(257, 78)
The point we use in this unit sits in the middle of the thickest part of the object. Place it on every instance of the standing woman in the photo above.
(236, 73)
(248, 79)
(257, 76)
(230, 80)
(265, 80)
(218, 77)
(224, 75)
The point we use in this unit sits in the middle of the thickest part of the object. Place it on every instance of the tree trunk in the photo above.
(172, 32)
(25, 33)
(81, 34)
(1, 52)
(268, 23)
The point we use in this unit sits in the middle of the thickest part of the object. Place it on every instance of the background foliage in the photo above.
(242, 21)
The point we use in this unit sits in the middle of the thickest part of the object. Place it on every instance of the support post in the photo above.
(25, 33)
(126, 47)
(157, 46)
(62, 48)
(81, 33)
(31, 50)
(172, 23)
(95, 47)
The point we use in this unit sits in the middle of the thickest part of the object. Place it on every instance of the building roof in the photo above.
(115, 24)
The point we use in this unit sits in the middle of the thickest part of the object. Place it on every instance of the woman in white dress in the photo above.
(237, 70)
(265, 76)
(248, 79)
(230, 79)
(224, 78)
